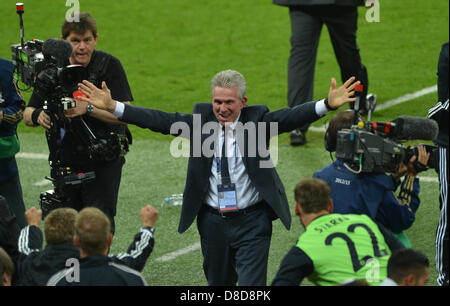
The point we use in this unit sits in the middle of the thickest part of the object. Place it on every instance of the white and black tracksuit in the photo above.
(440, 113)
(36, 266)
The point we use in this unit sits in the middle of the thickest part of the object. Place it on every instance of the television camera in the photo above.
(43, 66)
(375, 147)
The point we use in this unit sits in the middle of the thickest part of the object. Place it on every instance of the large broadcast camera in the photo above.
(42, 66)
(39, 65)
(375, 147)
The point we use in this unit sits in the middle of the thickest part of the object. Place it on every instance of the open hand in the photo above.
(44, 120)
(100, 98)
(341, 95)
(422, 158)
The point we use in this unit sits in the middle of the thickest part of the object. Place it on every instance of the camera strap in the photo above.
(98, 66)
(97, 73)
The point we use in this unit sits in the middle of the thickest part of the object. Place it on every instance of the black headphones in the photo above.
(330, 146)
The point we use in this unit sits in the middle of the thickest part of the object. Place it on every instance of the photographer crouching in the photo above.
(81, 138)
(363, 187)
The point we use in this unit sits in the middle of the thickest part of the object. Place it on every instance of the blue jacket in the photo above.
(373, 195)
(12, 105)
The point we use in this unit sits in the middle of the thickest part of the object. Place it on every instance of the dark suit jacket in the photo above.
(318, 2)
(265, 180)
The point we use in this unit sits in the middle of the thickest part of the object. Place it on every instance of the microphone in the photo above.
(60, 50)
(416, 128)
(407, 128)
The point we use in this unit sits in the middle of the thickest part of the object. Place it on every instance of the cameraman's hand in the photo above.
(401, 171)
(423, 158)
(149, 215)
(44, 120)
(341, 95)
(33, 216)
(78, 110)
(100, 98)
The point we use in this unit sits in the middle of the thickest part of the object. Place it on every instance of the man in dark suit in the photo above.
(307, 18)
(234, 198)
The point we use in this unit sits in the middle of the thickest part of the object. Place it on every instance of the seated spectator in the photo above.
(334, 247)
(6, 268)
(373, 194)
(93, 237)
(407, 267)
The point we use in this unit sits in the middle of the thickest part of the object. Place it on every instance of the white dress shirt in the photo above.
(246, 194)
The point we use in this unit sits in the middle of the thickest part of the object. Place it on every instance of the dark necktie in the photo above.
(224, 162)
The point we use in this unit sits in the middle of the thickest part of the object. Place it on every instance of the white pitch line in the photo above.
(175, 254)
(429, 179)
(35, 156)
(42, 183)
(321, 128)
(390, 103)
(407, 97)
(32, 155)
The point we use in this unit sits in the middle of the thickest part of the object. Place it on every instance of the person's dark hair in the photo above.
(6, 265)
(86, 22)
(406, 261)
(343, 120)
(313, 195)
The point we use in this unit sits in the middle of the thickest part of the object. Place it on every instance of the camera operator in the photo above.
(101, 192)
(11, 109)
(373, 194)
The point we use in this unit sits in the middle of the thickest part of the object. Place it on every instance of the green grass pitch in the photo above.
(171, 49)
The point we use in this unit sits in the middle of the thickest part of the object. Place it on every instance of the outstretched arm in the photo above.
(155, 120)
(101, 98)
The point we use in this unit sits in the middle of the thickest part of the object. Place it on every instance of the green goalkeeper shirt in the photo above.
(338, 247)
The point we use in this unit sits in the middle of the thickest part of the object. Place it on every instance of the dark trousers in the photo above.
(103, 191)
(306, 25)
(235, 249)
(443, 74)
(12, 192)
